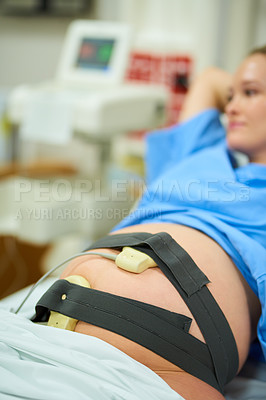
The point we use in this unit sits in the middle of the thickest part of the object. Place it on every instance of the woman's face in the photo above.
(246, 109)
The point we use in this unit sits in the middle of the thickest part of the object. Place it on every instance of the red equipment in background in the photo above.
(173, 71)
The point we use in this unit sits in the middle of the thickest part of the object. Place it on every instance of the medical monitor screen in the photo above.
(95, 54)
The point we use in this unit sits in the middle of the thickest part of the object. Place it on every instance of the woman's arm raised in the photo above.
(209, 90)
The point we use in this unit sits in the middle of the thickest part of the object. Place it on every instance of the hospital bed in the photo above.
(40, 362)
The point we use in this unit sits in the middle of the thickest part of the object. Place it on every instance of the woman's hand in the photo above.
(209, 90)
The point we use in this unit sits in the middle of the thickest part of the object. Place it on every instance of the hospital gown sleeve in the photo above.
(262, 321)
(171, 145)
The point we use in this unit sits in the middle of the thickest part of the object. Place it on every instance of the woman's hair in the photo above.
(258, 50)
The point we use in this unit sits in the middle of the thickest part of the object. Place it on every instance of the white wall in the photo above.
(172, 25)
(215, 31)
(238, 31)
(260, 28)
(29, 48)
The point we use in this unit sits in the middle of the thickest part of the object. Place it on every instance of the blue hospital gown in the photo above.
(191, 181)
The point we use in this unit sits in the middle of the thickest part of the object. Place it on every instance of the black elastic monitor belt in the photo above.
(162, 331)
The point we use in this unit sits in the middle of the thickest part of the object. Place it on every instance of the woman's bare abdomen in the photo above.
(228, 287)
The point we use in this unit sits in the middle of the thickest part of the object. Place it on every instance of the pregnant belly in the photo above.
(227, 285)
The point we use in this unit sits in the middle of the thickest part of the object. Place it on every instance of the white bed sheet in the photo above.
(39, 362)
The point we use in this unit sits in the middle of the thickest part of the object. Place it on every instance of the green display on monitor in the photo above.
(95, 54)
